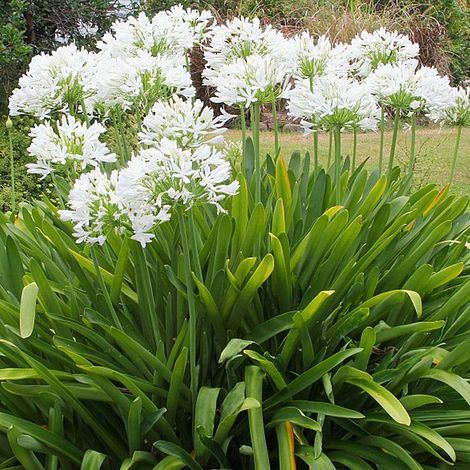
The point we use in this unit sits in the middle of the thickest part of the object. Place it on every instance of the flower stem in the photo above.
(382, 131)
(354, 152)
(337, 137)
(9, 125)
(194, 369)
(411, 166)
(243, 126)
(330, 149)
(396, 125)
(256, 131)
(315, 149)
(276, 129)
(456, 153)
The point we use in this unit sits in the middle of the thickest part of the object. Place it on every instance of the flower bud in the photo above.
(9, 123)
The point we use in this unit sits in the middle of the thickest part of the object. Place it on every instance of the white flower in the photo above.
(406, 87)
(61, 81)
(334, 102)
(140, 81)
(71, 145)
(242, 38)
(199, 23)
(456, 112)
(93, 209)
(316, 58)
(258, 79)
(188, 123)
(369, 50)
(161, 178)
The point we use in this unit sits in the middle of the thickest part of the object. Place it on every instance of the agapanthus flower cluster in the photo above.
(247, 62)
(69, 144)
(62, 81)
(456, 112)
(170, 32)
(137, 82)
(333, 101)
(93, 208)
(370, 50)
(188, 123)
(407, 87)
(258, 80)
(314, 58)
(148, 190)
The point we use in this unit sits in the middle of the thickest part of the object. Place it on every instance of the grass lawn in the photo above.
(434, 146)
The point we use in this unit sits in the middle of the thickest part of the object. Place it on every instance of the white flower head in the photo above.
(258, 79)
(159, 179)
(58, 82)
(188, 123)
(408, 88)
(92, 206)
(456, 112)
(242, 38)
(370, 50)
(71, 144)
(334, 102)
(140, 81)
(314, 58)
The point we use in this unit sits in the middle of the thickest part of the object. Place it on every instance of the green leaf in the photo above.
(384, 398)
(174, 450)
(294, 416)
(235, 346)
(92, 460)
(327, 409)
(459, 384)
(28, 309)
(204, 417)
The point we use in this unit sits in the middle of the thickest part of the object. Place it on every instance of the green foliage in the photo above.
(330, 333)
(28, 187)
(14, 53)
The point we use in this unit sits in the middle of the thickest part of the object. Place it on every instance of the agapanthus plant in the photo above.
(187, 122)
(456, 112)
(68, 145)
(333, 103)
(62, 81)
(408, 90)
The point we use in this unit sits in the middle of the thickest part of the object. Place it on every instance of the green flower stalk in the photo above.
(396, 126)
(456, 153)
(275, 128)
(9, 126)
(382, 132)
(412, 146)
(354, 152)
(256, 136)
(337, 137)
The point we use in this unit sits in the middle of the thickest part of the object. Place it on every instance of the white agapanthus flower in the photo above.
(144, 194)
(141, 80)
(314, 58)
(93, 207)
(242, 38)
(160, 179)
(406, 87)
(334, 102)
(259, 79)
(70, 145)
(170, 32)
(369, 50)
(456, 112)
(186, 122)
(58, 82)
